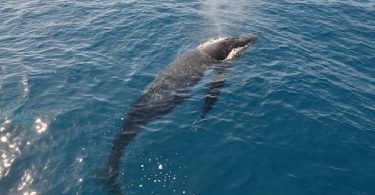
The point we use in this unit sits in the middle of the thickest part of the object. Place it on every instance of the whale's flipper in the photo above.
(216, 84)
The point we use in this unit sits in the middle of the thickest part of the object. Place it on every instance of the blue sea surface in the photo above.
(296, 114)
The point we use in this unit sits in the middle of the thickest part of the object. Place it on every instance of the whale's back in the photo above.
(170, 86)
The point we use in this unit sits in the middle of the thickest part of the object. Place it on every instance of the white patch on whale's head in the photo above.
(226, 48)
(236, 52)
(202, 46)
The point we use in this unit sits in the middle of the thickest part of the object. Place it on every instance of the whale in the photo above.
(170, 88)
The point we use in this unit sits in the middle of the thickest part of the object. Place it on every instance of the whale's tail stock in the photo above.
(108, 177)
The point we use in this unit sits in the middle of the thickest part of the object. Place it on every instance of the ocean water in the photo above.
(296, 115)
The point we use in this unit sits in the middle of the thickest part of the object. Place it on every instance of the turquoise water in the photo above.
(296, 115)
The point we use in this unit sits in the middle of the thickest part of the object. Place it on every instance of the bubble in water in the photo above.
(4, 139)
(40, 126)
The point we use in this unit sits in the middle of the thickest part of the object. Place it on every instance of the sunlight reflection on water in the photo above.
(9, 148)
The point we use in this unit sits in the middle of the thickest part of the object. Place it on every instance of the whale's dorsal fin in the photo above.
(216, 84)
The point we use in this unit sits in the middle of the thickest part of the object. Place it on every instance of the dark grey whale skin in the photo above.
(170, 88)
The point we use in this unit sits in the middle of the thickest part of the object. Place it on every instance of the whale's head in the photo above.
(226, 48)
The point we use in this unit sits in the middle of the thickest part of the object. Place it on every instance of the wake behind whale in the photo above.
(170, 88)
